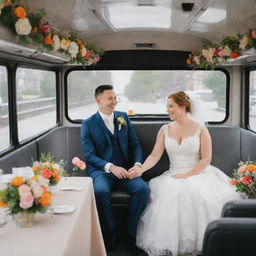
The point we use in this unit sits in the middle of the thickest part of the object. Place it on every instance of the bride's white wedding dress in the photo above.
(179, 210)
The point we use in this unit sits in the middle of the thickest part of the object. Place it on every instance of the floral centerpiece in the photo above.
(231, 47)
(33, 28)
(244, 179)
(79, 166)
(48, 169)
(24, 197)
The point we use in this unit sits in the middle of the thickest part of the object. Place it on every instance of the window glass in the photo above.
(4, 111)
(144, 92)
(36, 101)
(252, 101)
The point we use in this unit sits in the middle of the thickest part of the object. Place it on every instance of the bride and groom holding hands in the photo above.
(169, 215)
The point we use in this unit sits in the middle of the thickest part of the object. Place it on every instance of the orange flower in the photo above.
(45, 199)
(3, 204)
(34, 30)
(36, 168)
(233, 55)
(233, 181)
(48, 39)
(78, 42)
(188, 61)
(56, 176)
(20, 12)
(17, 181)
(251, 167)
(88, 55)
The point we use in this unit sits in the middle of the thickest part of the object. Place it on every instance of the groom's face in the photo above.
(107, 101)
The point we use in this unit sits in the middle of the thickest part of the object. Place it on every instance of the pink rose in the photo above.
(81, 165)
(242, 168)
(46, 28)
(26, 201)
(254, 33)
(24, 190)
(96, 58)
(75, 161)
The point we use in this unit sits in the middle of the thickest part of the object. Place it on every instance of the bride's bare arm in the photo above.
(156, 153)
(206, 155)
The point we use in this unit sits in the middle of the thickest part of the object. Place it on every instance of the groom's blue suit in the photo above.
(122, 149)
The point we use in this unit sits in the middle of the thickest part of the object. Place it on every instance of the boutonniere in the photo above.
(121, 121)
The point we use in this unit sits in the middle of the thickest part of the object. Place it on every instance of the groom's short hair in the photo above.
(100, 89)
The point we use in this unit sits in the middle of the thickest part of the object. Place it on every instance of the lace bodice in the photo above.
(185, 155)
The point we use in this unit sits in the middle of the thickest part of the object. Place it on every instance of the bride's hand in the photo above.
(180, 176)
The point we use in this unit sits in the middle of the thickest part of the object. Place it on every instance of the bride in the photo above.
(184, 199)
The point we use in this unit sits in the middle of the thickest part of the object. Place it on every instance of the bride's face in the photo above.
(174, 110)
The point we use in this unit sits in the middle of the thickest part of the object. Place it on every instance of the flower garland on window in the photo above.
(31, 28)
(230, 47)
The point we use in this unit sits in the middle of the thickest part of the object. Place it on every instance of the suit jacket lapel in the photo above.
(103, 126)
(121, 135)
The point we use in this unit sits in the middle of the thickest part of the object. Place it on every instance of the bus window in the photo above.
(4, 111)
(252, 101)
(144, 92)
(36, 101)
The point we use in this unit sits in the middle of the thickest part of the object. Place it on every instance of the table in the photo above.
(75, 234)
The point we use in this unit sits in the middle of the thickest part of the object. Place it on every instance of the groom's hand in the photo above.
(119, 172)
(134, 172)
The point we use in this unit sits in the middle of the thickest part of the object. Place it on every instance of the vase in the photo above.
(25, 219)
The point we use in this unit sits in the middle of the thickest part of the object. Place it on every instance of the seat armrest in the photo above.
(241, 208)
(230, 237)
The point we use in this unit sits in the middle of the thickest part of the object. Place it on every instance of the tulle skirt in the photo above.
(179, 210)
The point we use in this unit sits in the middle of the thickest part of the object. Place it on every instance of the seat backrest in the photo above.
(241, 208)
(230, 237)
(147, 133)
(225, 147)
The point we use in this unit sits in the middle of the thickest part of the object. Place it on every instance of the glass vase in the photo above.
(25, 219)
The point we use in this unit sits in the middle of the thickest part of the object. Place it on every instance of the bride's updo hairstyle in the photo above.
(182, 100)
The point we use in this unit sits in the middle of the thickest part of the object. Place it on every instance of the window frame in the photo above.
(140, 117)
(12, 65)
(248, 70)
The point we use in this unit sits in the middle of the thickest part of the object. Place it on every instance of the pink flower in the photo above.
(75, 161)
(81, 165)
(26, 201)
(254, 33)
(242, 168)
(46, 28)
(247, 180)
(46, 173)
(96, 58)
(24, 190)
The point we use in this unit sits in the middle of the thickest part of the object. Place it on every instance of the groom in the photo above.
(111, 148)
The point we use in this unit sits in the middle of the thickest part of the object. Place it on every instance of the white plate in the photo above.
(61, 209)
(71, 188)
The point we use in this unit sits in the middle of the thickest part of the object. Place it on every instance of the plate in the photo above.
(63, 209)
(71, 188)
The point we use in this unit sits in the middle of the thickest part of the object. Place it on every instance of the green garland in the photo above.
(31, 29)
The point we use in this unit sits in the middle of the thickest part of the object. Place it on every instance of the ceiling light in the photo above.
(213, 15)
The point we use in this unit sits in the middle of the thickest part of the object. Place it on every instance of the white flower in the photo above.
(56, 42)
(90, 61)
(56, 166)
(83, 51)
(64, 44)
(37, 190)
(23, 26)
(43, 181)
(244, 42)
(73, 49)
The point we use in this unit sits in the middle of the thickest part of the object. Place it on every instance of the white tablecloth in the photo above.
(76, 234)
